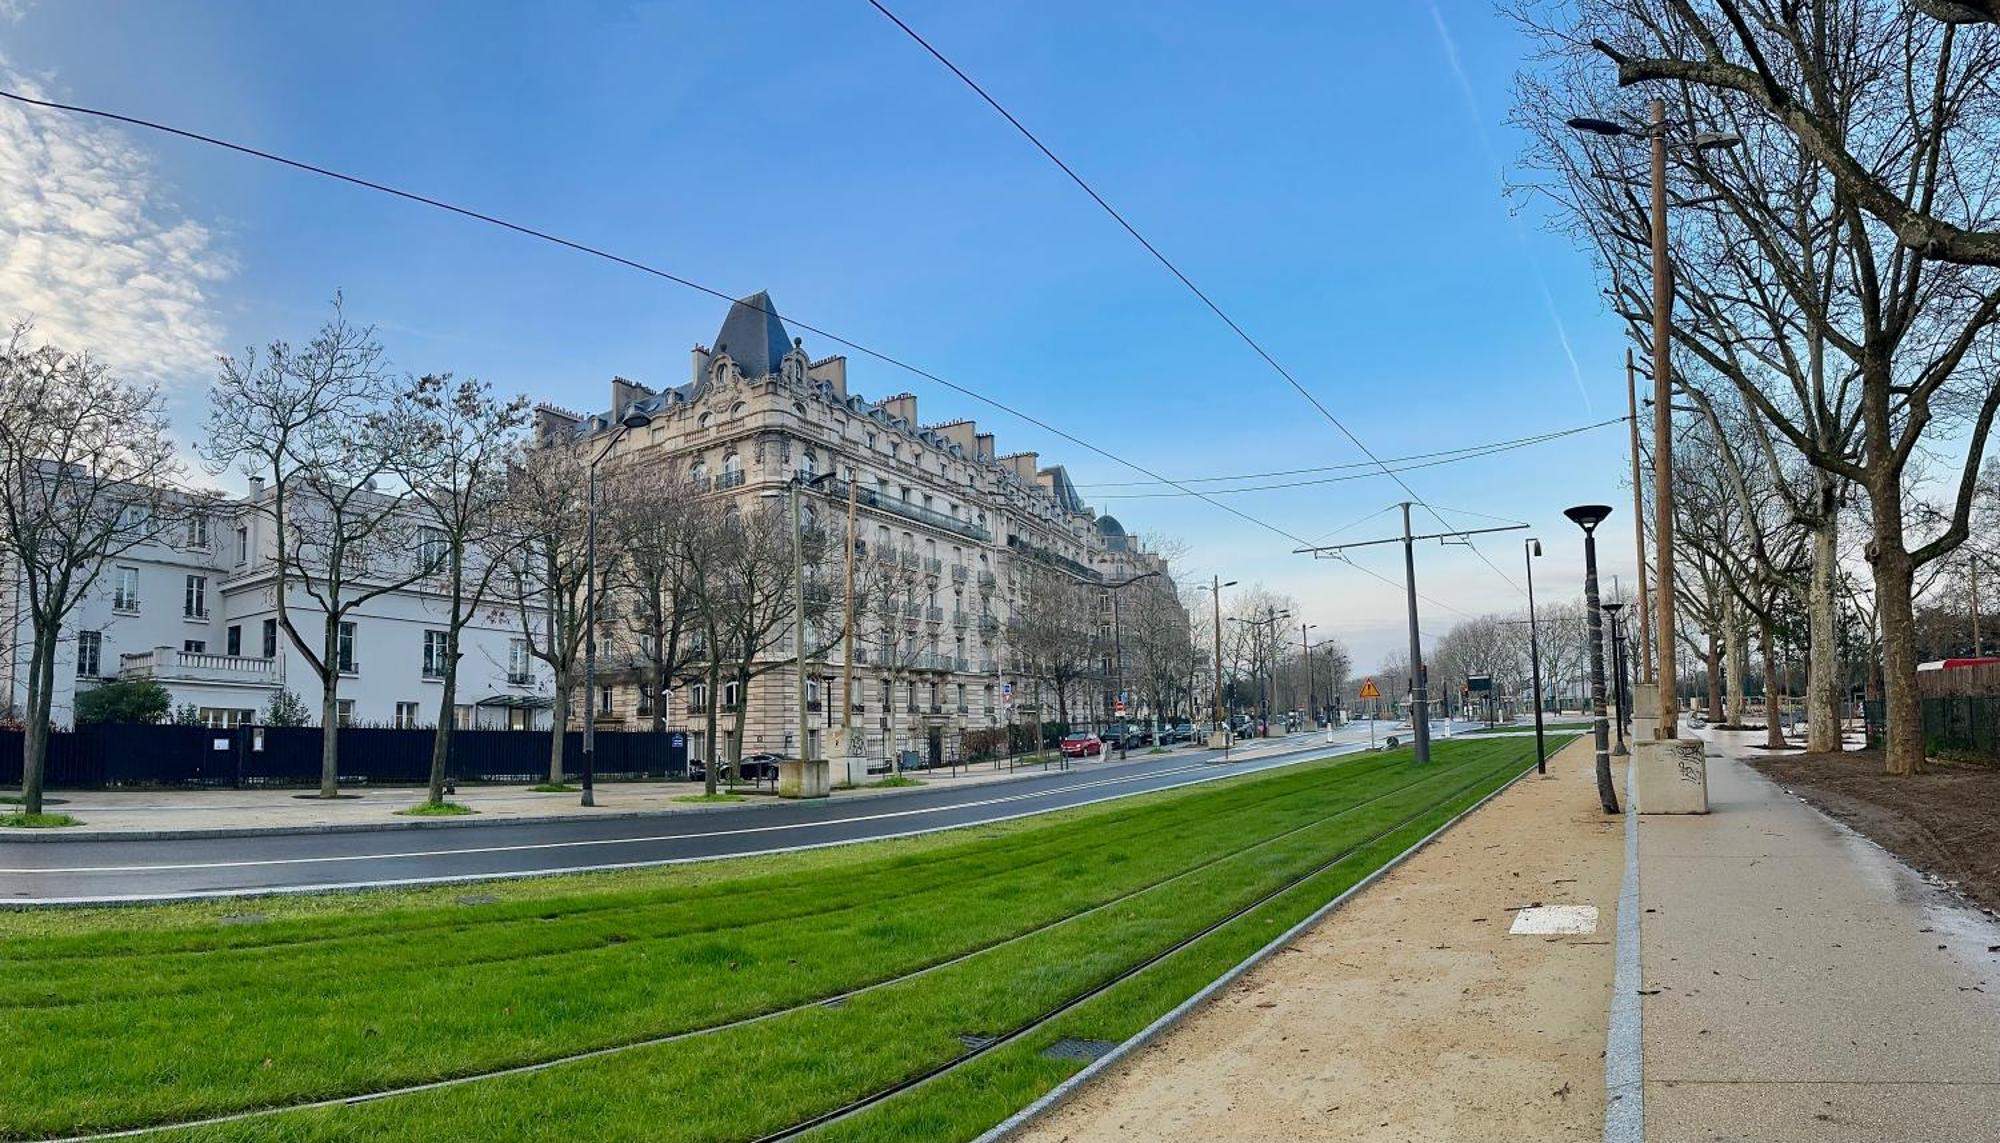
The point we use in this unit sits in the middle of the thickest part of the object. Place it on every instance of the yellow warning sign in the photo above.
(1369, 689)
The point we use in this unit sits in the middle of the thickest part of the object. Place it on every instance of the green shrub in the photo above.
(124, 700)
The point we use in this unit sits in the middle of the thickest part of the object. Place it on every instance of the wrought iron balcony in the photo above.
(869, 498)
(729, 480)
(959, 572)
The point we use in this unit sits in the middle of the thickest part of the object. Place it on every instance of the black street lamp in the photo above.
(634, 418)
(1533, 547)
(1588, 517)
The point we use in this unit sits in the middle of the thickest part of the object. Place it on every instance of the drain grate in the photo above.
(1075, 1049)
(975, 1041)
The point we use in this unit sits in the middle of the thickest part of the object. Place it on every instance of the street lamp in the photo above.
(634, 418)
(1588, 517)
(1215, 727)
(1118, 653)
(793, 488)
(1312, 704)
(1617, 678)
(1533, 548)
(1663, 465)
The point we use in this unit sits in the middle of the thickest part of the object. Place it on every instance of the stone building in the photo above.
(943, 521)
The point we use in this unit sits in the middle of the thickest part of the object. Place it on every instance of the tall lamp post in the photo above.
(1611, 611)
(1655, 131)
(634, 418)
(1532, 548)
(1305, 639)
(1215, 727)
(1118, 652)
(1588, 517)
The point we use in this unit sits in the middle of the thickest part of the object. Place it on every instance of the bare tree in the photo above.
(1054, 632)
(454, 444)
(650, 515)
(308, 422)
(541, 542)
(88, 472)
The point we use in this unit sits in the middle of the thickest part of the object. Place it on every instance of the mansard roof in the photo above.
(753, 336)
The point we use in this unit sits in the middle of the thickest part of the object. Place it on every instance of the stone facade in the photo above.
(943, 523)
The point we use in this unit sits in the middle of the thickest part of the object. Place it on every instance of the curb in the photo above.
(474, 822)
(1060, 1094)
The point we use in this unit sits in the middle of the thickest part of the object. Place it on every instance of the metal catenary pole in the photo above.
(1420, 714)
(1531, 548)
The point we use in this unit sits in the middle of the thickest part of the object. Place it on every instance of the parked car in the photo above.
(753, 768)
(1115, 735)
(1184, 732)
(1082, 746)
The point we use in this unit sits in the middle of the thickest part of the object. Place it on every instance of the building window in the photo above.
(461, 716)
(270, 638)
(517, 719)
(197, 531)
(343, 649)
(808, 467)
(704, 420)
(195, 604)
(125, 590)
(194, 646)
(698, 473)
(431, 548)
(406, 716)
(242, 546)
(234, 640)
(343, 712)
(698, 696)
(89, 653)
(436, 653)
(517, 662)
(605, 695)
(729, 694)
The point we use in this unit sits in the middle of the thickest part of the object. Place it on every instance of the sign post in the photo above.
(1370, 691)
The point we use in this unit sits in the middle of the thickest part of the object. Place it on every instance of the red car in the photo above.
(1082, 746)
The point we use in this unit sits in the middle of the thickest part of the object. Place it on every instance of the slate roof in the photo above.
(753, 336)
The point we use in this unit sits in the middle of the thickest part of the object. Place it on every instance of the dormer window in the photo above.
(705, 420)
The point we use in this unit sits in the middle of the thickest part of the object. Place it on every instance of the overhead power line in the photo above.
(1507, 446)
(1163, 260)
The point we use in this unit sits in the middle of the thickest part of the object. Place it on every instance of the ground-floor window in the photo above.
(517, 718)
(221, 717)
(406, 716)
(343, 712)
(462, 716)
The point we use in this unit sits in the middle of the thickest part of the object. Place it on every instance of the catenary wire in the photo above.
(1197, 291)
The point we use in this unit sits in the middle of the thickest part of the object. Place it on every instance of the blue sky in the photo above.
(1323, 170)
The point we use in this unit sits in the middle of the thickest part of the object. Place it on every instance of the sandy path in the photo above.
(1410, 1013)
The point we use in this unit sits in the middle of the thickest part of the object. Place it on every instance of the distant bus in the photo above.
(1955, 664)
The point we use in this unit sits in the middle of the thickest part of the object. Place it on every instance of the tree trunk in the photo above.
(441, 741)
(713, 696)
(1823, 685)
(1902, 708)
(1736, 663)
(35, 750)
(559, 728)
(1714, 678)
(1774, 735)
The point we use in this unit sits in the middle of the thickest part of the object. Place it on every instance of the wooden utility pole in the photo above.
(1643, 650)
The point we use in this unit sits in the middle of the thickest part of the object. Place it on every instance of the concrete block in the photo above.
(1645, 701)
(1670, 776)
(1218, 739)
(800, 779)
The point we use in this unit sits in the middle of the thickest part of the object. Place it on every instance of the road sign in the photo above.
(1007, 693)
(1369, 689)
(1118, 708)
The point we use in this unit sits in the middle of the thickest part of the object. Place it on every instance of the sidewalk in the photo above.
(1410, 1013)
(1799, 983)
(135, 813)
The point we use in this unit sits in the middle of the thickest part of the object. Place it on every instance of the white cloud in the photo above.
(92, 251)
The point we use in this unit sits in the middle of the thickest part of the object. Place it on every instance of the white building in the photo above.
(195, 609)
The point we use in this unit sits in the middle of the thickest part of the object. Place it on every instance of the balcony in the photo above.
(168, 665)
(910, 559)
(964, 709)
(961, 664)
(987, 581)
(869, 498)
(989, 667)
(885, 554)
(933, 565)
(913, 610)
(989, 625)
(959, 572)
(934, 614)
(729, 480)
(519, 678)
(959, 619)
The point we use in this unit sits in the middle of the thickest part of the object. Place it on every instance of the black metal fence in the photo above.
(95, 757)
(1963, 727)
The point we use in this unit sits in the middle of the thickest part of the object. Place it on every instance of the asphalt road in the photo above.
(107, 871)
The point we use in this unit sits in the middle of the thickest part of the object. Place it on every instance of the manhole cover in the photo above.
(244, 918)
(479, 899)
(1075, 1049)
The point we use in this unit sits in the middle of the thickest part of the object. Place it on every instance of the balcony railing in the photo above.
(934, 614)
(933, 565)
(519, 678)
(869, 498)
(910, 559)
(913, 610)
(987, 580)
(989, 625)
(729, 480)
(167, 664)
(959, 572)
(960, 618)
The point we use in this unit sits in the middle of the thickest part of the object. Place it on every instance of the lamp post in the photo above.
(1588, 517)
(1305, 639)
(634, 418)
(1215, 727)
(1532, 548)
(793, 488)
(1663, 463)
(1611, 610)
(1264, 691)
(1118, 653)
